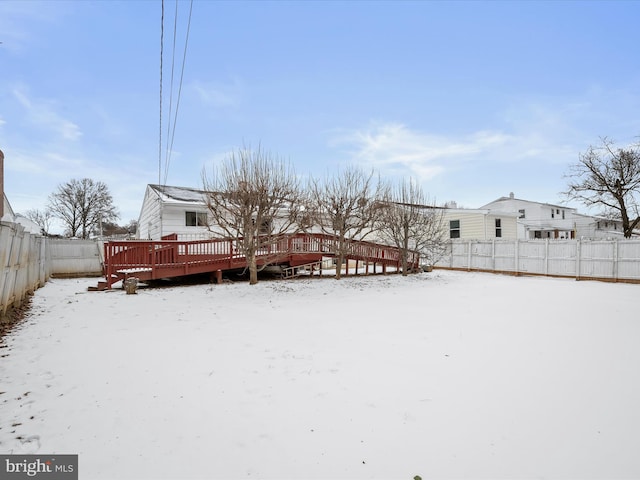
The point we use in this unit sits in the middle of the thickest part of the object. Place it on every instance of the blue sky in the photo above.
(473, 99)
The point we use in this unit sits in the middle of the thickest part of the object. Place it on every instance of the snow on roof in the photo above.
(180, 194)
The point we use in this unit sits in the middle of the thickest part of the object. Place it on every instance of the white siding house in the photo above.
(479, 224)
(546, 220)
(8, 216)
(183, 211)
(167, 210)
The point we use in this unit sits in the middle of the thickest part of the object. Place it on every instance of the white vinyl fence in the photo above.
(75, 258)
(27, 261)
(23, 263)
(613, 260)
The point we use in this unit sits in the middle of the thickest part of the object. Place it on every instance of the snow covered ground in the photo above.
(442, 375)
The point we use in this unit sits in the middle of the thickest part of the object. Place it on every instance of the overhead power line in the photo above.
(172, 122)
(161, 67)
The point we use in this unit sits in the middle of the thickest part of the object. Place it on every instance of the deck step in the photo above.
(293, 272)
(101, 286)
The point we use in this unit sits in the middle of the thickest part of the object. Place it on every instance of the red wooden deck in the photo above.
(151, 260)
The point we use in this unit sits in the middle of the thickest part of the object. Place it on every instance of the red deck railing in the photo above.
(147, 259)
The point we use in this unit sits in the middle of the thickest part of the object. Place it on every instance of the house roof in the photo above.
(28, 224)
(512, 197)
(9, 214)
(179, 194)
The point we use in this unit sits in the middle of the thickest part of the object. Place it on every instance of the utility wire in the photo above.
(161, 55)
(171, 127)
(167, 155)
(184, 60)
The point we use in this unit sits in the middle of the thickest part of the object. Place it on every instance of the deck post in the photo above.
(218, 277)
(108, 265)
(152, 252)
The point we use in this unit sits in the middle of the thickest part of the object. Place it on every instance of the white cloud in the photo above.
(50, 164)
(543, 132)
(218, 95)
(42, 114)
(394, 148)
(18, 19)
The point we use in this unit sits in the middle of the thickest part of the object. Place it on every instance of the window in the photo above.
(521, 212)
(265, 226)
(553, 213)
(195, 219)
(563, 214)
(498, 227)
(454, 229)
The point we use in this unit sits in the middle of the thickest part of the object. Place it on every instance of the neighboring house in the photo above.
(479, 224)
(8, 215)
(183, 211)
(546, 220)
(168, 210)
(28, 224)
(599, 227)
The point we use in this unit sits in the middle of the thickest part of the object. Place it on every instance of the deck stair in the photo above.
(293, 272)
(167, 258)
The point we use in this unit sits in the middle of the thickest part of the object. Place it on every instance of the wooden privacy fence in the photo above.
(23, 258)
(609, 260)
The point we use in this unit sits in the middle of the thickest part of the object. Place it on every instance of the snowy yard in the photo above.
(442, 375)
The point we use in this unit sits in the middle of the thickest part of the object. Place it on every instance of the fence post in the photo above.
(615, 259)
(469, 257)
(546, 256)
(516, 257)
(493, 254)
(578, 254)
(451, 253)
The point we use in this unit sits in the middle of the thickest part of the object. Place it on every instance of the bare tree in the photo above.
(131, 227)
(82, 205)
(256, 199)
(609, 177)
(346, 207)
(411, 223)
(110, 229)
(42, 218)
